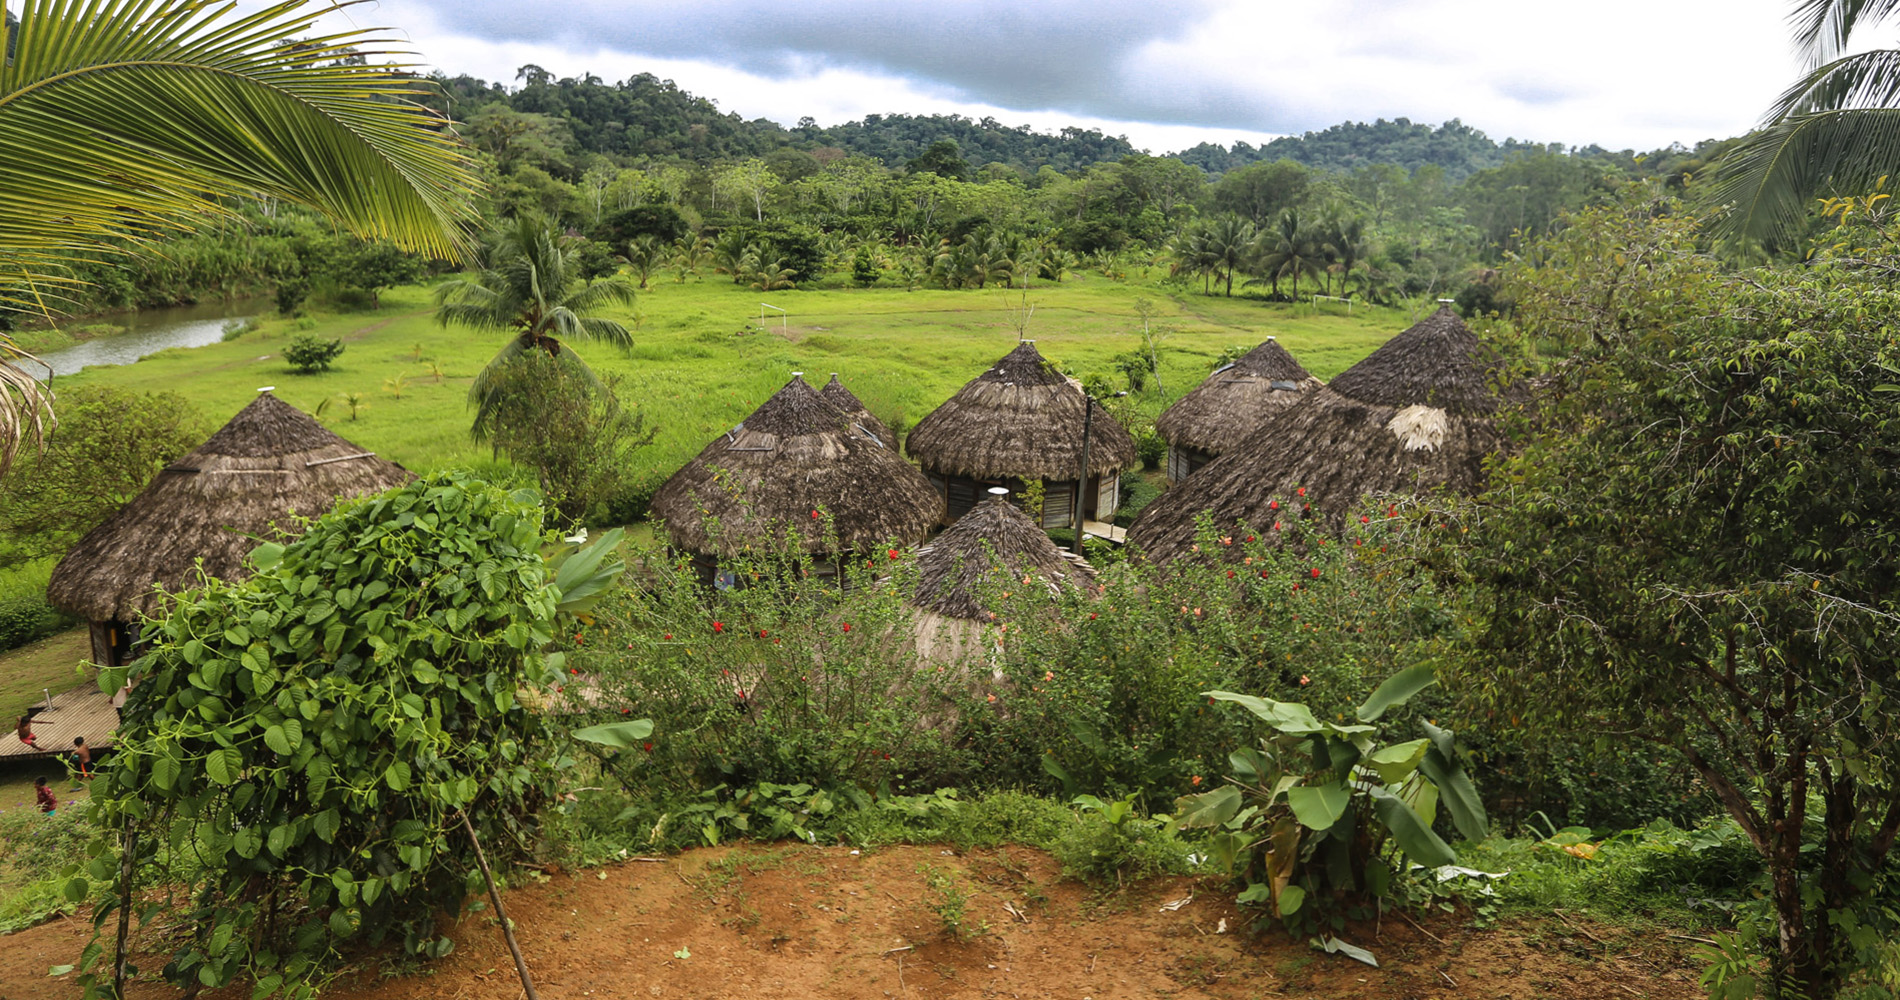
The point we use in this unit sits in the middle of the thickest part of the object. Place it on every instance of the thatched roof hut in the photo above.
(796, 454)
(994, 537)
(268, 462)
(837, 395)
(1229, 404)
(1021, 422)
(1415, 415)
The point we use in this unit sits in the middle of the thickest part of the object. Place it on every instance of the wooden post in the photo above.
(127, 864)
(1082, 483)
(494, 898)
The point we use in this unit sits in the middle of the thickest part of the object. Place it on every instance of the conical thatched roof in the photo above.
(1231, 402)
(1427, 425)
(1437, 362)
(837, 395)
(794, 455)
(1022, 419)
(271, 460)
(994, 535)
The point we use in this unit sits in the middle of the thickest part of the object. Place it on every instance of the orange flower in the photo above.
(1197, 781)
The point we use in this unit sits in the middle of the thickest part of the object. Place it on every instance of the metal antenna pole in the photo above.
(1082, 483)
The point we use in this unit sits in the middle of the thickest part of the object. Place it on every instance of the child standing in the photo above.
(47, 802)
(82, 762)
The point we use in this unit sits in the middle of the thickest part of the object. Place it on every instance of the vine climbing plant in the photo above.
(301, 748)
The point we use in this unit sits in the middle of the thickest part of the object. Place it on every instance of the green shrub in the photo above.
(1137, 493)
(24, 614)
(308, 355)
(318, 731)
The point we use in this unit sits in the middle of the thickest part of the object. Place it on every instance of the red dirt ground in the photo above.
(796, 922)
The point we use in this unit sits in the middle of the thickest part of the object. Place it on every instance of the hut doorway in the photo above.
(115, 643)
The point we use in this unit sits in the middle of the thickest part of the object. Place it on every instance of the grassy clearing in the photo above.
(28, 672)
(697, 368)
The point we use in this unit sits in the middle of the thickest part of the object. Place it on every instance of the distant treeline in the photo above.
(645, 117)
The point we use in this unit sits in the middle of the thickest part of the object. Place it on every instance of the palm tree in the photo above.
(1225, 247)
(531, 287)
(1291, 254)
(1346, 248)
(1838, 127)
(122, 120)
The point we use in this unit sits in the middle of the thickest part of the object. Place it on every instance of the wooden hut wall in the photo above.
(1184, 461)
(960, 493)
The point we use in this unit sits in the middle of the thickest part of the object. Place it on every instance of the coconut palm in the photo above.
(1289, 252)
(1837, 128)
(531, 287)
(121, 120)
(1224, 247)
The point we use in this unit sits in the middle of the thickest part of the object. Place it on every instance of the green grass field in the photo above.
(698, 367)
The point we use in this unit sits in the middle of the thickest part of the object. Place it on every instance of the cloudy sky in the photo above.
(1166, 73)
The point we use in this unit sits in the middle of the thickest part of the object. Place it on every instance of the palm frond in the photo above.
(26, 407)
(1863, 80)
(126, 118)
(602, 293)
(1822, 27)
(1769, 179)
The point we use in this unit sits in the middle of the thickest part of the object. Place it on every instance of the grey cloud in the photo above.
(1068, 55)
(1533, 92)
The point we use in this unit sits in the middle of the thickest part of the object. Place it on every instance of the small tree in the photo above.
(1697, 551)
(309, 355)
(375, 265)
(311, 739)
(570, 430)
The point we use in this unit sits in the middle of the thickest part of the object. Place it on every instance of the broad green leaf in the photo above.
(1397, 690)
(76, 889)
(1208, 808)
(622, 735)
(59, 970)
(1286, 716)
(224, 765)
(396, 776)
(1257, 894)
(327, 823)
(1291, 899)
(1457, 794)
(164, 772)
(266, 556)
(1411, 834)
(1397, 762)
(275, 739)
(1318, 807)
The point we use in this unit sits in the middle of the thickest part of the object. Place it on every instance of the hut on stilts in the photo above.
(1238, 397)
(797, 469)
(1417, 414)
(1023, 422)
(837, 395)
(994, 541)
(245, 483)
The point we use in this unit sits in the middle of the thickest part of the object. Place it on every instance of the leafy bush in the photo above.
(308, 355)
(317, 730)
(567, 426)
(1323, 811)
(1137, 493)
(111, 442)
(24, 614)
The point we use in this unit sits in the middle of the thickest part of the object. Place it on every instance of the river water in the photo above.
(148, 332)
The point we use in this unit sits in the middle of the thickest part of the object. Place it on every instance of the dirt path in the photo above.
(798, 922)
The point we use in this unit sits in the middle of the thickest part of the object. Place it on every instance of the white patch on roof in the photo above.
(1419, 427)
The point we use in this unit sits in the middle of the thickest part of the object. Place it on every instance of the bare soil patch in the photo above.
(795, 922)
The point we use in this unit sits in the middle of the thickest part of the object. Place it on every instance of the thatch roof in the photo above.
(1428, 425)
(837, 395)
(995, 535)
(1022, 419)
(1437, 362)
(1231, 402)
(794, 455)
(271, 460)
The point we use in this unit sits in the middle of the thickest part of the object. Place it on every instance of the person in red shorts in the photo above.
(24, 730)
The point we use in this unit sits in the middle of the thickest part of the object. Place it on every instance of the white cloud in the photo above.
(1638, 73)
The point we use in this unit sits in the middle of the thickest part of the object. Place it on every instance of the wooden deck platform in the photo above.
(82, 711)
(1107, 532)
